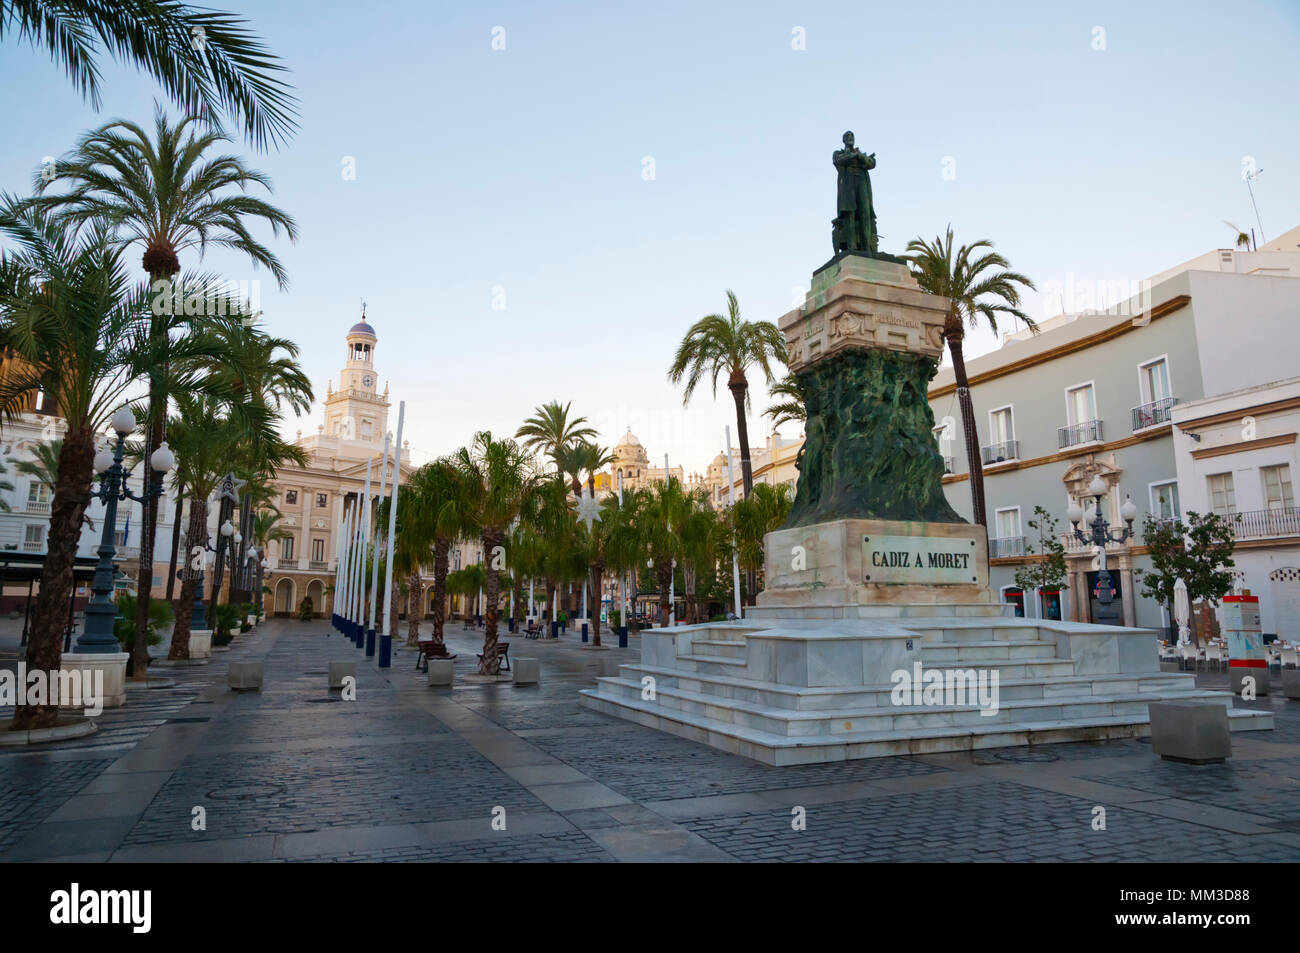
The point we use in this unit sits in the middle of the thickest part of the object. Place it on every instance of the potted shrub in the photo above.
(225, 624)
(160, 616)
(305, 610)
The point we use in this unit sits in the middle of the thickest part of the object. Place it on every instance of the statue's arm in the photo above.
(870, 161)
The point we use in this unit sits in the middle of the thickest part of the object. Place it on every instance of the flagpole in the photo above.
(340, 555)
(359, 565)
(374, 574)
(386, 641)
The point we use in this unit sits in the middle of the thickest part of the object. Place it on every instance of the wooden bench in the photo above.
(503, 653)
(533, 631)
(428, 650)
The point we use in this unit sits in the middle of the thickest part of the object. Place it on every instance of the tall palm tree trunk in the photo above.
(664, 576)
(413, 594)
(161, 264)
(176, 543)
(196, 531)
(439, 602)
(45, 640)
(973, 459)
(491, 664)
(738, 387)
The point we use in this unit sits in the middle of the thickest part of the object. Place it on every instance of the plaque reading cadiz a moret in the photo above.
(918, 559)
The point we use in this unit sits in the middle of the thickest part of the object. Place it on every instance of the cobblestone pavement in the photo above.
(486, 771)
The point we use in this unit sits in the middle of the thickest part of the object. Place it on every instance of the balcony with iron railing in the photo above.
(1004, 546)
(1087, 432)
(1261, 524)
(1075, 548)
(996, 453)
(1154, 414)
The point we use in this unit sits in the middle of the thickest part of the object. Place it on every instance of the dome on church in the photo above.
(629, 440)
(361, 327)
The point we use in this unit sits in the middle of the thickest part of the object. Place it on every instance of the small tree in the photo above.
(1048, 570)
(1199, 552)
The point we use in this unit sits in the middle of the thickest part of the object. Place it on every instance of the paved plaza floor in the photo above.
(486, 771)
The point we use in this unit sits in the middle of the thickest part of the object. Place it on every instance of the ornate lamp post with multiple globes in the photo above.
(97, 637)
(1100, 533)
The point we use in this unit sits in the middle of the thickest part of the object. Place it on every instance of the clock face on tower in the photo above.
(367, 380)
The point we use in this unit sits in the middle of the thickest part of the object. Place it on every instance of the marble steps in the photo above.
(897, 718)
(1030, 668)
(725, 688)
(1001, 650)
(776, 749)
(975, 630)
(719, 648)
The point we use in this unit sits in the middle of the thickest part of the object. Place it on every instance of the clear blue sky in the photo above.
(522, 169)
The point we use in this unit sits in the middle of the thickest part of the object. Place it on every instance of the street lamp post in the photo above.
(1099, 534)
(97, 636)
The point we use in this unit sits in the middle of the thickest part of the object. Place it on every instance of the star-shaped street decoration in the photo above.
(230, 487)
(588, 509)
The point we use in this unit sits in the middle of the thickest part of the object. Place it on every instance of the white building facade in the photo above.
(1093, 395)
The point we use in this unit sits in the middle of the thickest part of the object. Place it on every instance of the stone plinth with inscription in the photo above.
(863, 347)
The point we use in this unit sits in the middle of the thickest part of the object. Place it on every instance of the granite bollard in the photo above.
(526, 671)
(340, 671)
(440, 671)
(1191, 732)
(1291, 682)
(245, 676)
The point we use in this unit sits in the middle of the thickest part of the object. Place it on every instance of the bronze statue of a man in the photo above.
(854, 228)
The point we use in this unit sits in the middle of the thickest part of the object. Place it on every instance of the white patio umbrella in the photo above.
(1182, 612)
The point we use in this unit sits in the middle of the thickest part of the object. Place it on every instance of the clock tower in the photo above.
(356, 413)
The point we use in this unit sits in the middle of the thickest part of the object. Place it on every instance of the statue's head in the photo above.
(848, 140)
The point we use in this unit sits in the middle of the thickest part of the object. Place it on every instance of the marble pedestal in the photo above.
(809, 675)
(109, 666)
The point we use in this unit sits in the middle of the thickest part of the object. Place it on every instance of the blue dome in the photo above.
(361, 327)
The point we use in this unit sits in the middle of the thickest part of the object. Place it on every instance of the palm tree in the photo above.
(590, 459)
(974, 289)
(164, 195)
(204, 438)
(717, 345)
(208, 62)
(550, 428)
(438, 518)
(750, 519)
(702, 539)
(499, 478)
(788, 402)
(70, 313)
(665, 516)
(1241, 237)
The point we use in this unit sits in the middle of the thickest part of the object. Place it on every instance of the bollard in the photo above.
(440, 671)
(584, 632)
(525, 671)
(622, 636)
(245, 676)
(370, 643)
(341, 670)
